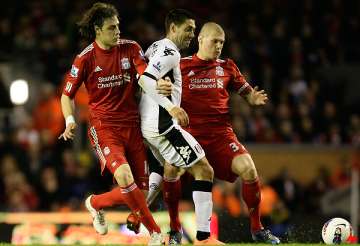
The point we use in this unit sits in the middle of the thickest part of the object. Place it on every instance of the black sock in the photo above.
(202, 235)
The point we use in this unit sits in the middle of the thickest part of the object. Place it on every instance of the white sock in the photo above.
(203, 209)
(155, 181)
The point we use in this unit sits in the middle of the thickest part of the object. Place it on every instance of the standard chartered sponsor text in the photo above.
(113, 80)
(202, 86)
(202, 80)
(202, 83)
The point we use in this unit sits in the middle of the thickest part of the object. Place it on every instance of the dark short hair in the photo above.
(95, 16)
(178, 17)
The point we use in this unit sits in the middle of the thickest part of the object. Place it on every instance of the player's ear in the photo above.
(97, 29)
(172, 27)
(199, 39)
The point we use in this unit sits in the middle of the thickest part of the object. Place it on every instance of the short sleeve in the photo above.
(74, 77)
(238, 82)
(138, 58)
(162, 61)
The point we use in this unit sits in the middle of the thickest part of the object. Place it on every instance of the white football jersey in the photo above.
(164, 60)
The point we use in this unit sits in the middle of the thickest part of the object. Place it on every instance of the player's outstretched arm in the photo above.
(256, 97)
(67, 106)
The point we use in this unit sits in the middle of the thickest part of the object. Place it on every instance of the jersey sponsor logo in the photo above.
(125, 64)
(191, 73)
(168, 51)
(113, 80)
(202, 83)
(97, 69)
(74, 71)
(202, 80)
(219, 71)
(185, 152)
(157, 66)
(220, 83)
(68, 87)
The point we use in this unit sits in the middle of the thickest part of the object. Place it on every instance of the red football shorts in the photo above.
(118, 145)
(221, 146)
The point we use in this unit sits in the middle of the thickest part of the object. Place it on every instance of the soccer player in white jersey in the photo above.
(161, 121)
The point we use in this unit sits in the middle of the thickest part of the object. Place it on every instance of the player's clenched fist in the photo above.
(69, 132)
(180, 115)
(164, 86)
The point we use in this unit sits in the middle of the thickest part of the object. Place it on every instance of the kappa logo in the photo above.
(185, 152)
(125, 64)
(191, 73)
(97, 69)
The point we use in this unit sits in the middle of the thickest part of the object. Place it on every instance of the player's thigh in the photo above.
(137, 157)
(202, 170)
(108, 147)
(220, 152)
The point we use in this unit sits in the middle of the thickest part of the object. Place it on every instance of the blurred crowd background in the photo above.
(304, 53)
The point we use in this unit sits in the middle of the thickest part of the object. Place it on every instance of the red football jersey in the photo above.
(110, 77)
(206, 86)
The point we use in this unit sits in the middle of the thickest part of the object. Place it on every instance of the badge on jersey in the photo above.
(74, 71)
(125, 64)
(219, 71)
(157, 66)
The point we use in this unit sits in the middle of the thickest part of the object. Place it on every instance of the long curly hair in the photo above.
(95, 16)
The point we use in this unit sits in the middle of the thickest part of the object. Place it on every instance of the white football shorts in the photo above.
(175, 146)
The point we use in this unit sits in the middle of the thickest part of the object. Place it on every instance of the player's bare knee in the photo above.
(171, 172)
(123, 175)
(244, 166)
(208, 173)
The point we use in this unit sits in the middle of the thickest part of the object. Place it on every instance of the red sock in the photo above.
(172, 194)
(252, 196)
(135, 199)
(107, 199)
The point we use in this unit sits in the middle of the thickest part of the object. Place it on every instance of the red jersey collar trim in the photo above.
(195, 57)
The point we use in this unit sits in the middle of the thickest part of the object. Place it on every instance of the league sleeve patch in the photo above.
(74, 71)
(157, 66)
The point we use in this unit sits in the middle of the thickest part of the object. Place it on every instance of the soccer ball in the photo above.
(336, 231)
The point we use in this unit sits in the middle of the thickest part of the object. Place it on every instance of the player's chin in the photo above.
(186, 43)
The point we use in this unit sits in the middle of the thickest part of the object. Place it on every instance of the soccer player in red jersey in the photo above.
(207, 81)
(109, 68)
